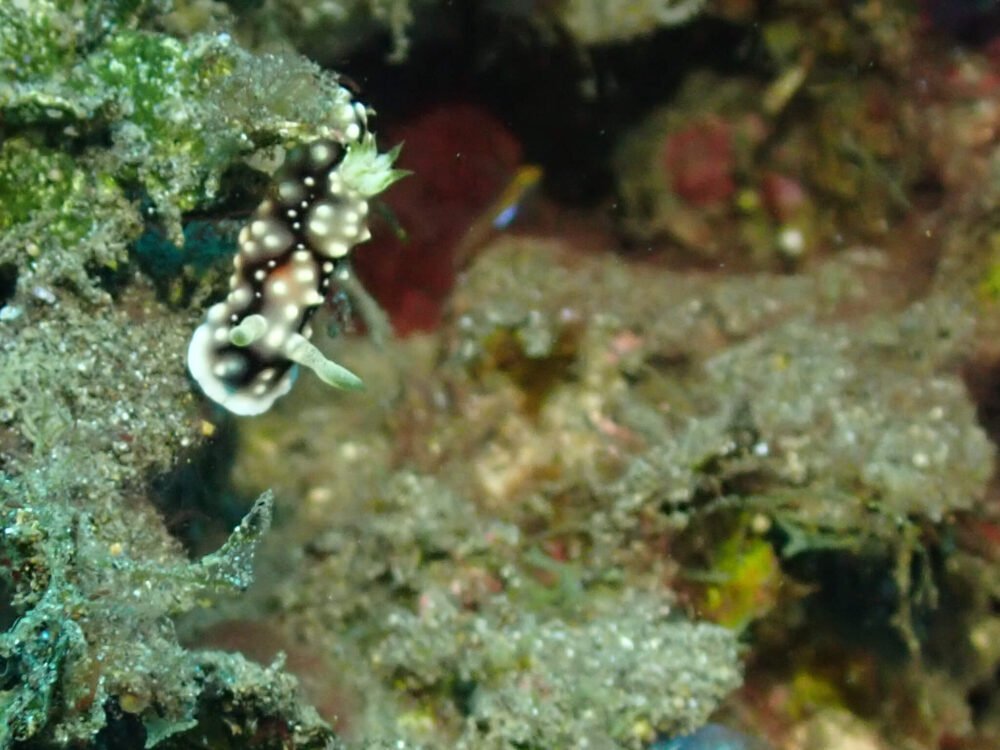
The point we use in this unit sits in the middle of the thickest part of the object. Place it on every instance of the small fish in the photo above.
(521, 187)
(500, 214)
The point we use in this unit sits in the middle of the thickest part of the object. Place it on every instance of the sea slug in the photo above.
(245, 355)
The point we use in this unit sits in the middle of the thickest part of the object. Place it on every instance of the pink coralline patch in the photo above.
(783, 196)
(699, 161)
(461, 157)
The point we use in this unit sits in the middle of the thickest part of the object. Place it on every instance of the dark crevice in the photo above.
(577, 102)
(856, 598)
(196, 499)
(982, 378)
(8, 282)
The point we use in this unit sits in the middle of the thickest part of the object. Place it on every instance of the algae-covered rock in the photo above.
(61, 219)
(38, 39)
(868, 413)
(325, 29)
(433, 616)
(448, 624)
(614, 680)
(179, 113)
(596, 22)
(501, 543)
(93, 635)
(585, 428)
(752, 373)
(112, 130)
(104, 381)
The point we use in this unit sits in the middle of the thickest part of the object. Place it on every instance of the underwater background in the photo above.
(678, 323)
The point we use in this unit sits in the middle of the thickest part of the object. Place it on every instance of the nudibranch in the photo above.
(244, 356)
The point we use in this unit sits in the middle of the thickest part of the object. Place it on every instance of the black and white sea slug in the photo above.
(245, 355)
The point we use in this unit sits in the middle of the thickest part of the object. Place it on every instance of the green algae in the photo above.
(61, 220)
(40, 41)
(179, 113)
